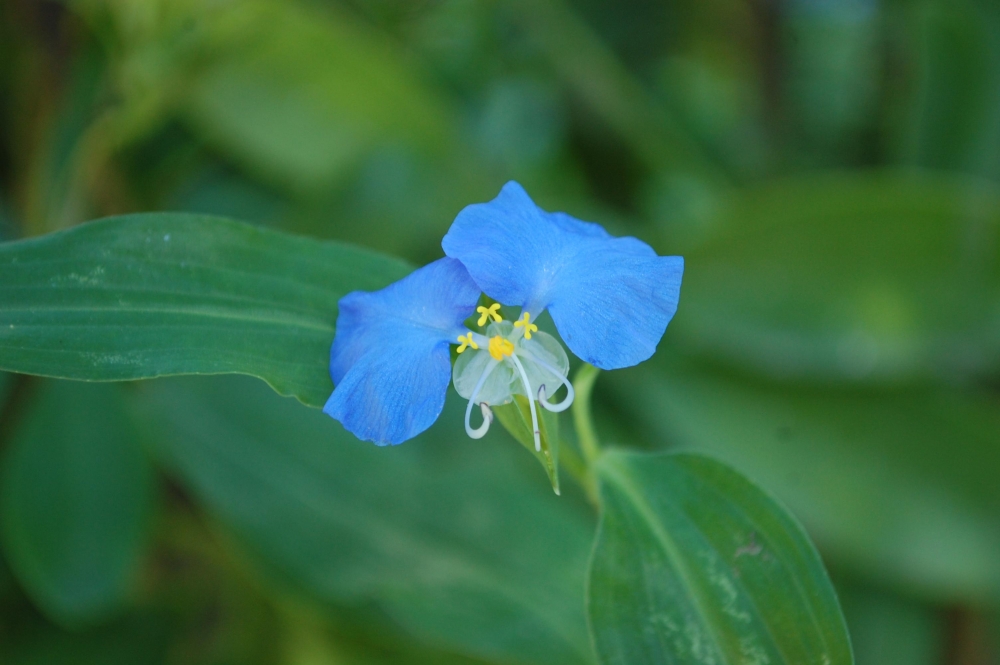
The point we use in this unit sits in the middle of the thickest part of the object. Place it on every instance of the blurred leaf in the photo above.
(299, 93)
(6, 223)
(833, 61)
(892, 630)
(71, 155)
(950, 120)
(522, 124)
(308, 640)
(135, 640)
(595, 74)
(695, 564)
(900, 484)
(516, 419)
(217, 191)
(847, 277)
(76, 493)
(456, 539)
(151, 295)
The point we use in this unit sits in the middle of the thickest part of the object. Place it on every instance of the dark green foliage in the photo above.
(828, 170)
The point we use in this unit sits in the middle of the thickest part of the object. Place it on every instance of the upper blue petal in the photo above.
(390, 360)
(611, 298)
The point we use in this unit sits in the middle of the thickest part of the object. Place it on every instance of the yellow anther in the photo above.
(528, 327)
(500, 347)
(489, 312)
(466, 341)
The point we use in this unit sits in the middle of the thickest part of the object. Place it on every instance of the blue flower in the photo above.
(390, 361)
(610, 298)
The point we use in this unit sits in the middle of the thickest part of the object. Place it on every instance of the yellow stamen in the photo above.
(528, 327)
(466, 341)
(489, 312)
(500, 347)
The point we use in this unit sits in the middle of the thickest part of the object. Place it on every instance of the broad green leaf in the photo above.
(898, 484)
(168, 293)
(75, 495)
(695, 564)
(887, 629)
(850, 277)
(459, 541)
(516, 419)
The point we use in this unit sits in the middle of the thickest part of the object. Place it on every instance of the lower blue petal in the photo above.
(393, 394)
(390, 360)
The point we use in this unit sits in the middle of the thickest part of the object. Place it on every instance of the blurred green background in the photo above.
(829, 169)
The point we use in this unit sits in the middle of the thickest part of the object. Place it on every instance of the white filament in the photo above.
(480, 431)
(531, 402)
(570, 394)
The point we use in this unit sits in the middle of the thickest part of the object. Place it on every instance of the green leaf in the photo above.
(897, 484)
(695, 564)
(856, 277)
(455, 539)
(75, 495)
(152, 295)
(516, 419)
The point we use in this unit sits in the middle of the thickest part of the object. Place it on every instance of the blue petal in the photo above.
(390, 359)
(610, 298)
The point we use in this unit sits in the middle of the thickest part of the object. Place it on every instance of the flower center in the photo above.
(500, 347)
(516, 358)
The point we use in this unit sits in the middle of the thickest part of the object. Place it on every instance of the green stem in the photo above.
(583, 384)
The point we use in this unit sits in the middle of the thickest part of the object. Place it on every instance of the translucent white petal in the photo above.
(470, 366)
(540, 355)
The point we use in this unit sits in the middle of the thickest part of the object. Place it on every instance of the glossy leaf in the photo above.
(847, 278)
(75, 495)
(460, 541)
(695, 564)
(516, 419)
(151, 295)
(899, 484)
